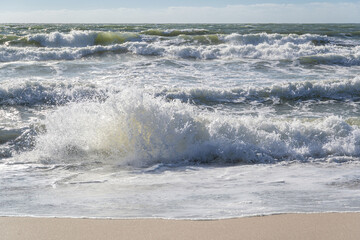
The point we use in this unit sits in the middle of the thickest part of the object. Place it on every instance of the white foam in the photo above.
(78, 44)
(10, 54)
(134, 128)
(38, 93)
(45, 93)
(306, 90)
(267, 50)
(273, 39)
(71, 39)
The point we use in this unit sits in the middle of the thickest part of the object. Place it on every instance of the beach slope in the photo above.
(329, 226)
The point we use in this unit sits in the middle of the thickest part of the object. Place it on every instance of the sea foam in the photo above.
(342, 90)
(57, 39)
(31, 93)
(305, 49)
(134, 128)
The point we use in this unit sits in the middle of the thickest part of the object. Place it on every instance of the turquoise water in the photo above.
(179, 121)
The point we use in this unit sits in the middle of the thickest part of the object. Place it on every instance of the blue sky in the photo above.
(159, 11)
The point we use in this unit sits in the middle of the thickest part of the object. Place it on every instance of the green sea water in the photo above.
(177, 121)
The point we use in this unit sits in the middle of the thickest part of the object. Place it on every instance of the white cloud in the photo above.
(256, 13)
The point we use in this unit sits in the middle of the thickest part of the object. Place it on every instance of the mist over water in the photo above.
(179, 121)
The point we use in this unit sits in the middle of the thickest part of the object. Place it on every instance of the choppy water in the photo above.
(179, 121)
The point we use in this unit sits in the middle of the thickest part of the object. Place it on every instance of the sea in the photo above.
(179, 121)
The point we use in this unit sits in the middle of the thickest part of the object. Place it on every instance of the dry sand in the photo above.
(327, 226)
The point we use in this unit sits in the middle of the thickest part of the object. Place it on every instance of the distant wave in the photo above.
(83, 38)
(185, 43)
(11, 54)
(276, 38)
(303, 49)
(77, 38)
(352, 59)
(57, 39)
(175, 32)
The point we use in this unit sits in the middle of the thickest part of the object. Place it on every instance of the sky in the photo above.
(179, 11)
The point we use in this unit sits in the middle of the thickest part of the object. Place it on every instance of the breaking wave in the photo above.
(35, 93)
(57, 39)
(10, 54)
(175, 32)
(305, 55)
(77, 38)
(305, 49)
(342, 90)
(137, 129)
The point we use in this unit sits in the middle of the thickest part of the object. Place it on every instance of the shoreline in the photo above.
(177, 219)
(330, 226)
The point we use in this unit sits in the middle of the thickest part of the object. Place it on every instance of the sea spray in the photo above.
(134, 128)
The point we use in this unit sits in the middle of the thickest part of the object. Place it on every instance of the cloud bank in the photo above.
(255, 13)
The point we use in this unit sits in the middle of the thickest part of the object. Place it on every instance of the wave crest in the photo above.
(35, 93)
(136, 129)
(342, 90)
(302, 49)
(72, 39)
(175, 32)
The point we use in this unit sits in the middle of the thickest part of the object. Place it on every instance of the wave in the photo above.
(8, 54)
(304, 49)
(275, 38)
(175, 32)
(76, 38)
(83, 38)
(17, 141)
(342, 90)
(9, 135)
(208, 39)
(133, 128)
(57, 39)
(11, 54)
(303, 54)
(109, 38)
(333, 59)
(17, 41)
(35, 93)
(7, 38)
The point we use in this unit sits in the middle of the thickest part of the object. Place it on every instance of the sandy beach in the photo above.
(285, 226)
